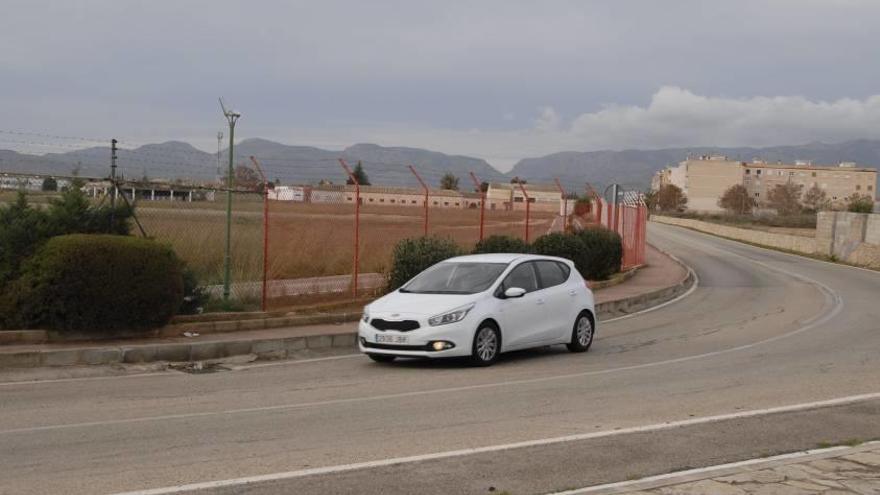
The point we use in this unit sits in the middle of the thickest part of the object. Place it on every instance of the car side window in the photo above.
(551, 273)
(523, 276)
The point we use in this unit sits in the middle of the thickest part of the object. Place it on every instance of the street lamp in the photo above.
(231, 117)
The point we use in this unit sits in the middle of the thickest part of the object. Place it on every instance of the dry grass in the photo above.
(311, 240)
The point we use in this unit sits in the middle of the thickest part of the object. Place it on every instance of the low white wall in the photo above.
(806, 245)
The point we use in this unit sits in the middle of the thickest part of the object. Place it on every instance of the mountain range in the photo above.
(388, 165)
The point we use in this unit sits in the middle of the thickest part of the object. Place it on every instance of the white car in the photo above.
(480, 306)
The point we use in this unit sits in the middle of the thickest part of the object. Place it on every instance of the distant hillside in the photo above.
(290, 164)
(388, 165)
(634, 168)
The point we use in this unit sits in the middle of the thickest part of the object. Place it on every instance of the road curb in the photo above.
(730, 469)
(273, 347)
(641, 302)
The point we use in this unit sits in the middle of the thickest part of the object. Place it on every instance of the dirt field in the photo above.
(308, 240)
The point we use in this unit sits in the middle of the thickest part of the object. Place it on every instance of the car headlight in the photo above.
(450, 317)
(366, 316)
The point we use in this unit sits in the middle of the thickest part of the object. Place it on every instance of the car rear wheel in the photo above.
(382, 358)
(487, 345)
(581, 334)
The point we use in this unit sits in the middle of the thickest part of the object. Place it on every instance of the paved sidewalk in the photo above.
(661, 280)
(657, 274)
(830, 471)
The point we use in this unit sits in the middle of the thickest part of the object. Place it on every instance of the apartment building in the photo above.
(838, 182)
(704, 179)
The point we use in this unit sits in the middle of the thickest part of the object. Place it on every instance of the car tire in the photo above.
(582, 333)
(487, 345)
(382, 358)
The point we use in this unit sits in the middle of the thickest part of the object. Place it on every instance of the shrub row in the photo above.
(95, 284)
(596, 252)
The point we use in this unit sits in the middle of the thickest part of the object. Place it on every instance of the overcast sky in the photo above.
(501, 80)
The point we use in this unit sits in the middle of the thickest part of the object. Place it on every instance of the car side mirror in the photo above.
(514, 292)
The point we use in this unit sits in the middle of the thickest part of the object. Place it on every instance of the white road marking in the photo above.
(754, 463)
(207, 485)
(163, 373)
(167, 373)
(290, 362)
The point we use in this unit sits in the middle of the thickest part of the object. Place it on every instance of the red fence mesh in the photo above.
(629, 219)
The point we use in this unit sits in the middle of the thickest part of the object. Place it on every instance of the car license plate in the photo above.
(391, 339)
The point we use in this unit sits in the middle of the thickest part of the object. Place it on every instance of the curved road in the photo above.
(686, 385)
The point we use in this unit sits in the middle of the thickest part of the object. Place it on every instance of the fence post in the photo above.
(528, 208)
(564, 205)
(357, 226)
(425, 187)
(479, 187)
(265, 234)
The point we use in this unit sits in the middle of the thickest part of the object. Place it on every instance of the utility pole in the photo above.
(219, 165)
(113, 182)
(231, 117)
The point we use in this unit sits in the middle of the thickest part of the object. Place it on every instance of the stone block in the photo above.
(174, 353)
(100, 355)
(61, 357)
(344, 340)
(140, 354)
(19, 360)
(205, 350)
(295, 343)
(319, 341)
(270, 349)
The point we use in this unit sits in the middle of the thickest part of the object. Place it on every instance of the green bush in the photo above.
(595, 252)
(567, 246)
(98, 284)
(501, 244)
(23, 228)
(603, 252)
(412, 256)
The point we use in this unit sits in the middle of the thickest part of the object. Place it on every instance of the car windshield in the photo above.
(455, 278)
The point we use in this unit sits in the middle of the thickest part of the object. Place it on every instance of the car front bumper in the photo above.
(418, 342)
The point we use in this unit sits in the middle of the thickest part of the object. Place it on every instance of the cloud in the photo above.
(548, 121)
(679, 117)
(673, 117)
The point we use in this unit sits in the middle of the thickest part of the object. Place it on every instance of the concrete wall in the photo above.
(806, 245)
(850, 237)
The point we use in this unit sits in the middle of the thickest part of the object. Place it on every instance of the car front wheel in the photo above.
(487, 346)
(581, 334)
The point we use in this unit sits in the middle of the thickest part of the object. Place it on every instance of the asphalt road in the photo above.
(687, 385)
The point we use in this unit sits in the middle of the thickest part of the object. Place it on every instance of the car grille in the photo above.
(395, 347)
(400, 326)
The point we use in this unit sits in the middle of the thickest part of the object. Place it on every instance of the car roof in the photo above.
(502, 258)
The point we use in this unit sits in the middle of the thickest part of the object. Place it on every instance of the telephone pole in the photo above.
(231, 117)
(113, 182)
(219, 142)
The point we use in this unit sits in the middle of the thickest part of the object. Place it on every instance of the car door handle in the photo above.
(572, 292)
(540, 301)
